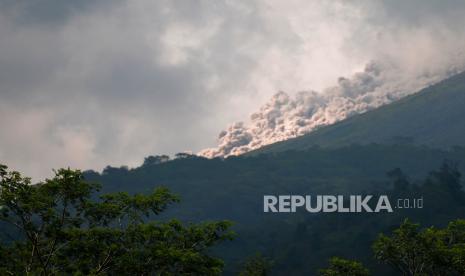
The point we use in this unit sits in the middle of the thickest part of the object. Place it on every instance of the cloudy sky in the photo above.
(93, 83)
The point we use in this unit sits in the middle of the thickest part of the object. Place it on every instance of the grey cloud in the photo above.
(109, 84)
(414, 43)
(417, 12)
(87, 83)
(48, 12)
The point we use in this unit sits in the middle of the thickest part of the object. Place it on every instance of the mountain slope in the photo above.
(299, 243)
(433, 117)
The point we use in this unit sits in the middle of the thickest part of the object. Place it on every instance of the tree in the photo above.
(65, 228)
(155, 160)
(448, 178)
(399, 179)
(182, 155)
(256, 266)
(424, 252)
(342, 267)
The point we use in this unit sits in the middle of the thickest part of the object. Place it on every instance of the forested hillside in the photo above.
(233, 189)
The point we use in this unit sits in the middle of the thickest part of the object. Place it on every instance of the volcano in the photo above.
(433, 117)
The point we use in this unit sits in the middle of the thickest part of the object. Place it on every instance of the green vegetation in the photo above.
(67, 225)
(63, 230)
(427, 252)
(129, 216)
(413, 252)
(256, 265)
(299, 243)
(342, 267)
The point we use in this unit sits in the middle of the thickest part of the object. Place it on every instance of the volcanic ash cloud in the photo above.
(285, 116)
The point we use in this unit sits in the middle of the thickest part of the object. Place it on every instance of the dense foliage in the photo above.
(413, 252)
(342, 267)
(429, 251)
(211, 189)
(256, 265)
(62, 227)
(299, 243)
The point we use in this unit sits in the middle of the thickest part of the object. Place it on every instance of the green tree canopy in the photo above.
(256, 265)
(343, 267)
(65, 227)
(429, 251)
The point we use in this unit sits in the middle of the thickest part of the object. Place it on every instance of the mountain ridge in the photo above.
(429, 117)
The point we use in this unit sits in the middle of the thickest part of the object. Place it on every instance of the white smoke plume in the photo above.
(285, 116)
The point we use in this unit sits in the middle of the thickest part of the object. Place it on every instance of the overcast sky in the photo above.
(93, 83)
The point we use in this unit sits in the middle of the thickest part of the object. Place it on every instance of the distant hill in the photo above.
(233, 189)
(433, 117)
(352, 157)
